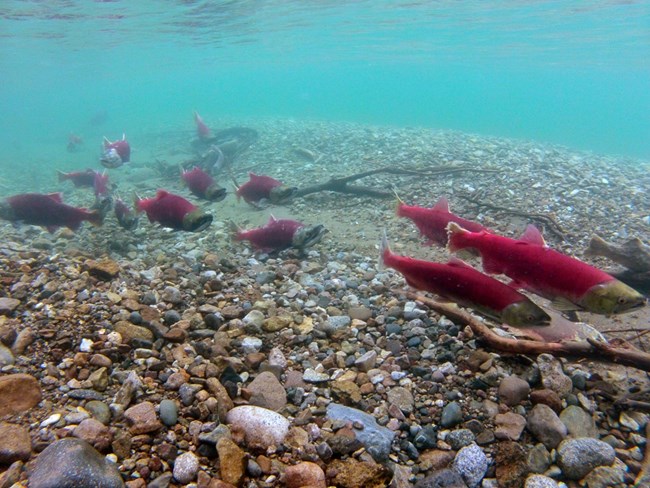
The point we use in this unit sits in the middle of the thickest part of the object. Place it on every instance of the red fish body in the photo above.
(79, 178)
(203, 185)
(536, 267)
(173, 211)
(260, 187)
(459, 282)
(46, 210)
(202, 130)
(276, 234)
(116, 153)
(100, 184)
(432, 222)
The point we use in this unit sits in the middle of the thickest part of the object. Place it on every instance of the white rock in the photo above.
(261, 427)
(186, 467)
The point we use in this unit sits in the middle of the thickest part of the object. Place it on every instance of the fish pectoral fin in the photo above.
(564, 305)
(491, 266)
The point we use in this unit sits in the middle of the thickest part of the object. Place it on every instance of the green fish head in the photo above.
(196, 221)
(612, 297)
(524, 313)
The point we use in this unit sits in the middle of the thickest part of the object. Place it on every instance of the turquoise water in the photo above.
(574, 73)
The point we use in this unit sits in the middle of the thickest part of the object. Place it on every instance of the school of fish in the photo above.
(531, 265)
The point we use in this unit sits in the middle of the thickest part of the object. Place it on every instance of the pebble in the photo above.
(95, 433)
(460, 438)
(18, 393)
(513, 390)
(553, 376)
(232, 461)
(546, 426)
(376, 439)
(267, 392)
(186, 467)
(172, 295)
(72, 462)
(261, 427)
(312, 376)
(472, 464)
(6, 356)
(577, 457)
(142, 418)
(509, 426)
(304, 474)
(99, 410)
(168, 412)
(402, 398)
(15, 443)
(443, 478)
(540, 481)
(366, 362)
(8, 305)
(578, 422)
(452, 414)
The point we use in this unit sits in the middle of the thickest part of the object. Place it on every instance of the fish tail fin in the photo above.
(384, 250)
(96, 218)
(457, 237)
(235, 230)
(597, 246)
(399, 204)
(62, 176)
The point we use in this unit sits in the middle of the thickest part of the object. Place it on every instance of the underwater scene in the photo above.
(283, 243)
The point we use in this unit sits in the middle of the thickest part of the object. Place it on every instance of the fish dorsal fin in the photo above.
(442, 205)
(252, 175)
(564, 305)
(532, 235)
(458, 263)
(272, 219)
(57, 197)
(161, 193)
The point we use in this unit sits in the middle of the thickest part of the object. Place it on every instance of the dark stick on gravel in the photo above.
(625, 355)
(340, 185)
(547, 220)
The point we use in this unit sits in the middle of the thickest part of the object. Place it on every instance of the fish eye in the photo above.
(621, 300)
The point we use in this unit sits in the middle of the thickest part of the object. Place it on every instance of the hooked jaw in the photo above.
(612, 297)
(282, 193)
(308, 236)
(215, 193)
(525, 313)
(196, 221)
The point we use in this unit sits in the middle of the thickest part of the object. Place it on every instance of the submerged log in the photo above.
(621, 353)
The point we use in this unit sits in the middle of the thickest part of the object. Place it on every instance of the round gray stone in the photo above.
(577, 457)
(73, 463)
(168, 412)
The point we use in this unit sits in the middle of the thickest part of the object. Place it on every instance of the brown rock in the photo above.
(8, 305)
(511, 465)
(15, 443)
(130, 331)
(304, 474)
(23, 341)
(176, 380)
(18, 393)
(150, 314)
(175, 334)
(220, 484)
(224, 402)
(105, 270)
(351, 473)
(95, 433)
(347, 392)
(142, 418)
(232, 461)
(513, 390)
(547, 397)
(12, 475)
(267, 392)
(509, 426)
(435, 459)
(276, 323)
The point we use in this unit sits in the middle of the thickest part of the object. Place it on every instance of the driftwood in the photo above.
(544, 219)
(341, 185)
(624, 354)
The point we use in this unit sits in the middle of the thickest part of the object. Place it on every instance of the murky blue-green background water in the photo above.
(570, 72)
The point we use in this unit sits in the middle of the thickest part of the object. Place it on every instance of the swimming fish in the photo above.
(432, 222)
(116, 153)
(125, 216)
(173, 211)
(203, 185)
(100, 184)
(279, 234)
(202, 130)
(48, 211)
(532, 265)
(260, 187)
(459, 282)
(79, 178)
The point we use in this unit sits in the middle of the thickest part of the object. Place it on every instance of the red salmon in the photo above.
(280, 234)
(173, 211)
(202, 130)
(79, 178)
(203, 185)
(536, 267)
(46, 210)
(460, 283)
(432, 222)
(260, 187)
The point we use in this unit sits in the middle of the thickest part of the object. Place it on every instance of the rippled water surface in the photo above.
(575, 73)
